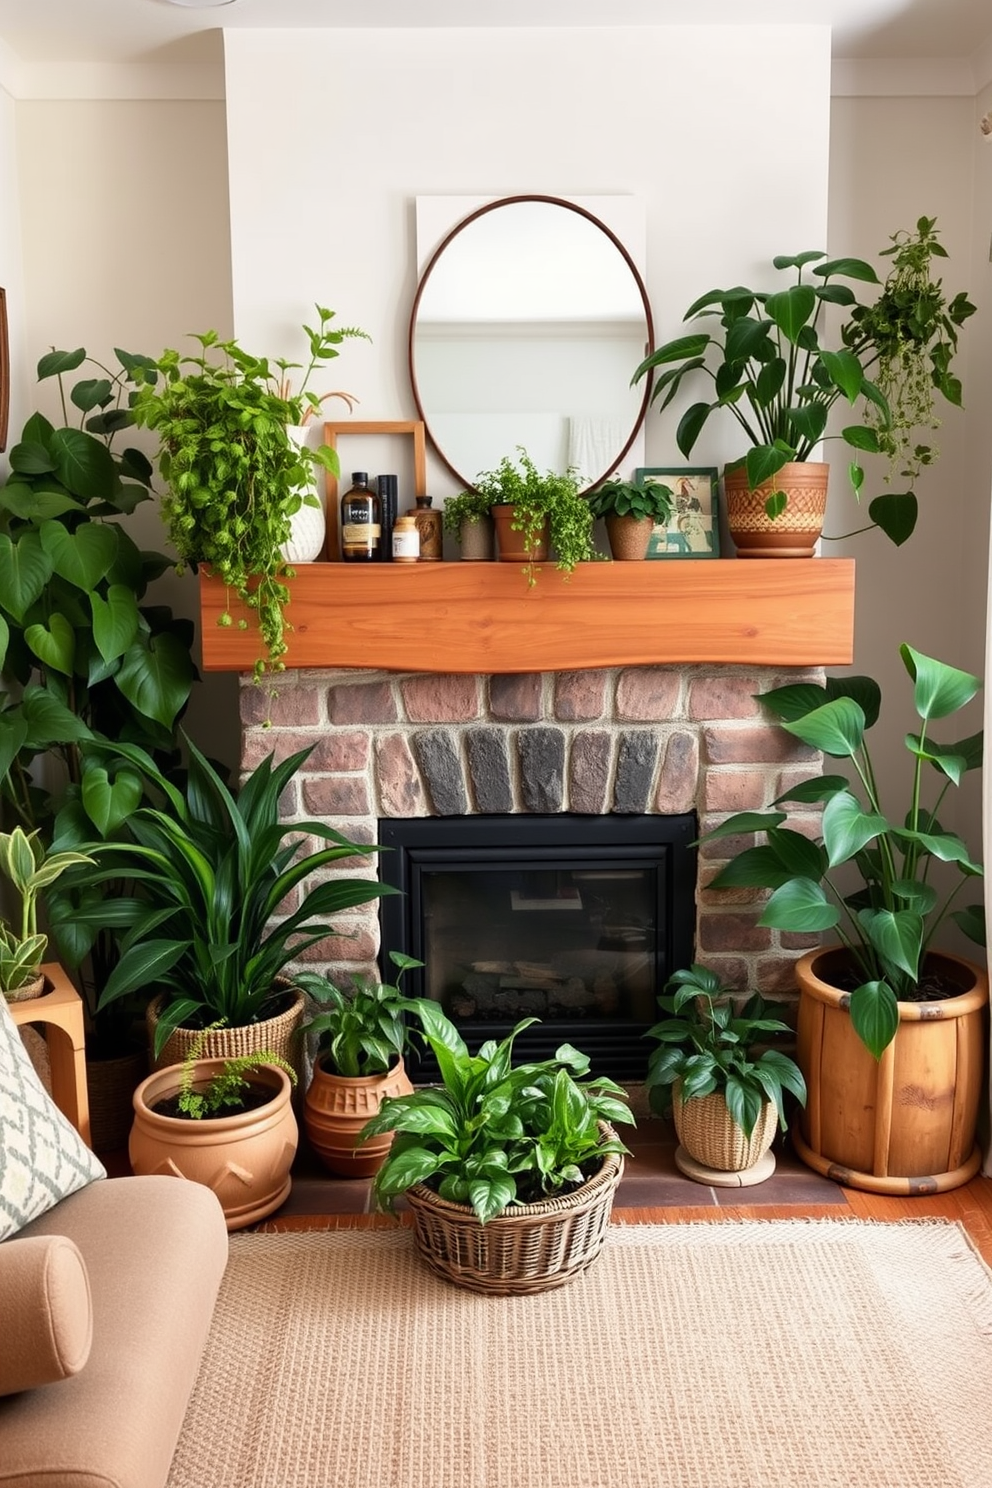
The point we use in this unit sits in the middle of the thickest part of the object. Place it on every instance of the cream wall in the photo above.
(124, 213)
(11, 262)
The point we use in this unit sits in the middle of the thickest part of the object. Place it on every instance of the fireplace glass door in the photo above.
(576, 921)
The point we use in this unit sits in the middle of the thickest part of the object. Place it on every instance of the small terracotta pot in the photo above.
(245, 1158)
(795, 532)
(335, 1109)
(510, 543)
(629, 536)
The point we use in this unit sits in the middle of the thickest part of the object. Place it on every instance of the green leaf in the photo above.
(800, 905)
(54, 363)
(49, 721)
(895, 513)
(84, 464)
(874, 1016)
(819, 789)
(678, 350)
(140, 966)
(865, 691)
(115, 621)
(83, 557)
(13, 734)
(54, 644)
(31, 457)
(156, 677)
(940, 689)
(764, 461)
(850, 268)
(25, 569)
(690, 426)
(972, 922)
(745, 821)
(4, 641)
(847, 828)
(754, 868)
(837, 728)
(34, 504)
(861, 438)
(844, 371)
(791, 309)
(793, 701)
(108, 802)
(809, 421)
(897, 936)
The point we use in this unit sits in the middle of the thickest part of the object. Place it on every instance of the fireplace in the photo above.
(577, 921)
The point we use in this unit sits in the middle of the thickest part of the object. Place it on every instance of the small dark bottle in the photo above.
(361, 521)
(387, 486)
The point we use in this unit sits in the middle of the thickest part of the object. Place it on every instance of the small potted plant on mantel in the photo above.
(631, 509)
(769, 369)
(726, 1089)
(532, 510)
(891, 1034)
(468, 518)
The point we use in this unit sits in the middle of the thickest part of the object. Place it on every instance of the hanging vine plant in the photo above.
(235, 478)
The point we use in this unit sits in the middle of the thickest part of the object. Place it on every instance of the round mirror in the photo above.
(529, 322)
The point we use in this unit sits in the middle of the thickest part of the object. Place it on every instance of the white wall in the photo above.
(12, 265)
(390, 115)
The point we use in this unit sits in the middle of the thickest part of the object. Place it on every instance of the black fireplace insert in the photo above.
(575, 920)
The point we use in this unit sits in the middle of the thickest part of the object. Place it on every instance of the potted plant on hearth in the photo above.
(226, 1123)
(468, 518)
(630, 510)
(363, 1036)
(726, 1087)
(891, 1030)
(769, 368)
(532, 510)
(236, 477)
(510, 1170)
(225, 899)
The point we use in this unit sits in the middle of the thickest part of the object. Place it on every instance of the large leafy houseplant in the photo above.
(770, 367)
(224, 897)
(83, 649)
(553, 500)
(888, 923)
(707, 1045)
(235, 478)
(493, 1134)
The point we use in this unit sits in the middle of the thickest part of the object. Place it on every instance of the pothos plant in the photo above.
(552, 498)
(235, 478)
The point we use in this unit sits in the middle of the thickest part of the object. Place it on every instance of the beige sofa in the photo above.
(153, 1251)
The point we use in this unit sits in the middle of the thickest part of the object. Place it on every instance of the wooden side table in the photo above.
(60, 1011)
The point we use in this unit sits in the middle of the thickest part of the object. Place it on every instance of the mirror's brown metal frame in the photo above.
(505, 201)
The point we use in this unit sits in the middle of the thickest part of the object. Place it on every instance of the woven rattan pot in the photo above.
(794, 533)
(524, 1250)
(277, 1034)
(710, 1134)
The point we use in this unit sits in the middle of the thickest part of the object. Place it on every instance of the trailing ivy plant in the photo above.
(235, 478)
(553, 498)
(82, 651)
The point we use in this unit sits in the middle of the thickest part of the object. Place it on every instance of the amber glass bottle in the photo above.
(361, 521)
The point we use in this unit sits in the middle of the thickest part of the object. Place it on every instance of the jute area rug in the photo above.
(795, 1354)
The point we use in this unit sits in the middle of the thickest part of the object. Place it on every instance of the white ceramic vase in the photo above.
(306, 535)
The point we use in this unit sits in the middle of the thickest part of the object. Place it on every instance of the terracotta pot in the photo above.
(279, 1034)
(794, 533)
(629, 536)
(510, 544)
(476, 540)
(905, 1124)
(245, 1158)
(335, 1109)
(711, 1136)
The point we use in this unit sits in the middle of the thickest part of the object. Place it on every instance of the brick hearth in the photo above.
(627, 740)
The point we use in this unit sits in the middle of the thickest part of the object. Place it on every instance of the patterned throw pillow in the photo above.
(42, 1156)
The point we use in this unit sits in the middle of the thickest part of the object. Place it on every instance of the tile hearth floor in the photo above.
(651, 1181)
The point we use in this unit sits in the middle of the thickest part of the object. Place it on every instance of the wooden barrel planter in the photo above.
(906, 1123)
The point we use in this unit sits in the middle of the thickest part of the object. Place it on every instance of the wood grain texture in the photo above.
(483, 618)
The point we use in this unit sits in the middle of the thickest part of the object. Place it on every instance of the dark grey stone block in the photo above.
(542, 769)
(441, 765)
(637, 757)
(489, 770)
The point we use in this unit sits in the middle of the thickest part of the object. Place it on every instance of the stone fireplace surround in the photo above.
(655, 739)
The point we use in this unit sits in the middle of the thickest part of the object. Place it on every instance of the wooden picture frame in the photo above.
(4, 372)
(412, 428)
(693, 530)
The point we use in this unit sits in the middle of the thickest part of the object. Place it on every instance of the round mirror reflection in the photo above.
(528, 324)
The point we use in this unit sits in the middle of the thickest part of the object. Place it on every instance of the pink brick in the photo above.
(733, 932)
(400, 791)
(336, 795)
(735, 790)
(439, 698)
(776, 977)
(361, 702)
(754, 746)
(792, 940)
(281, 743)
(734, 972)
(294, 707)
(363, 946)
(648, 694)
(679, 780)
(723, 697)
(580, 696)
(348, 750)
(722, 848)
(516, 698)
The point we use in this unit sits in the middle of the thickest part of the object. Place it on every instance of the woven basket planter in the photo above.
(710, 1134)
(278, 1034)
(524, 1250)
